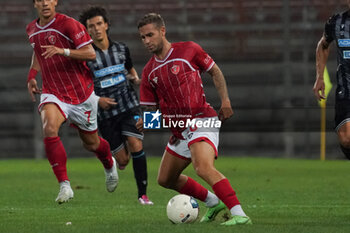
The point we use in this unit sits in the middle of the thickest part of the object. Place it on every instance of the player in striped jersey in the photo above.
(337, 29)
(119, 110)
(61, 46)
(171, 81)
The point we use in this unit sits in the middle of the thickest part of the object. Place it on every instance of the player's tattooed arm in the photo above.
(322, 53)
(225, 111)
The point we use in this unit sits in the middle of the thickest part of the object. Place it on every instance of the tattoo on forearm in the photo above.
(324, 45)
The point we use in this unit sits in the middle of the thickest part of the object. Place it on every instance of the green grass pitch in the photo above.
(280, 195)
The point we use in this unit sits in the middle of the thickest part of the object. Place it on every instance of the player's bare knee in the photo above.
(50, 131)
(201, 171)
(135, 144)
(123, 161)
(122, 157)
(91, 146)
(345, 140)
(165, 183)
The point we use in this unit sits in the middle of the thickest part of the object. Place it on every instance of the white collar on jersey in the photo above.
(47, 25)
(166, 57)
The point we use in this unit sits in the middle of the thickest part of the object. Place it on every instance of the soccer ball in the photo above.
(182, 209)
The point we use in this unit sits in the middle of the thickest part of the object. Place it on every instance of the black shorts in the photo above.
(342, 113)
(116, 129)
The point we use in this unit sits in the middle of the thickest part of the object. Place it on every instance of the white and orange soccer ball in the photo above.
(182, 209)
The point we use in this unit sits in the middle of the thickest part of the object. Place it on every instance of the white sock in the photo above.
(65, 183)
(237, 210)
(211, 200)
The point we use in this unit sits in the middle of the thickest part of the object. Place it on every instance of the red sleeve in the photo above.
(77, 33)
(201, 58)
(147, 92)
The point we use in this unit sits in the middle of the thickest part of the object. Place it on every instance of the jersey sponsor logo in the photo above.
(175, 69)
(344, 42)
(80, 35)
(113, 81)
(207, 60)
(151, 120)
(346, 54)
(109, 70)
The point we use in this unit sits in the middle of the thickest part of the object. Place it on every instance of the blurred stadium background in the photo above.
(266, 50)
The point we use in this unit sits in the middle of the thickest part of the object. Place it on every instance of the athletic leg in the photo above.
(139, 163)
(169, 173)
(344, 139)
(52, 119)
(92, 142)
(122, 157)
(203, 155)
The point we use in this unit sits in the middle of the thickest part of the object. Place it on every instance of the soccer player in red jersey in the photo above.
(171, 81)
(61, 46)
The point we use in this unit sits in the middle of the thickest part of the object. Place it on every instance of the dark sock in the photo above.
(346, 151)
(139, 164)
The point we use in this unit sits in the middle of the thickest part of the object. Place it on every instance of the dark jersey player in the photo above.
(337, 29)
(119, 105)
(171, 81)
(61, 46)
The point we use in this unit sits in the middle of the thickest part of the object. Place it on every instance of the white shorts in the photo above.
(181, 147)
(83, 116)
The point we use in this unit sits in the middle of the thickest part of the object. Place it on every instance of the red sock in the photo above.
(57, 157)
(194, 189)
(104, 154)
(225, 193)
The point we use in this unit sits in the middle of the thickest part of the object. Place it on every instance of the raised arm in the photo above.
(86, 52)
(322, 52)
(225, 111)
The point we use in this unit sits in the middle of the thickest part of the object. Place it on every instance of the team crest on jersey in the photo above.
(52, 39)
(121, 57)
(175, 69)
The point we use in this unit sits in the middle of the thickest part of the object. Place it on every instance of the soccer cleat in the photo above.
(212, 212)
(65, 194)
(145, 201)
(112, 177)
(237, 220)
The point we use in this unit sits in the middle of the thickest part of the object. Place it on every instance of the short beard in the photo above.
(159, 49)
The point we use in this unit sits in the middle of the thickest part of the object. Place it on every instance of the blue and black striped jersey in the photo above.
(337, 29)
(109, 73)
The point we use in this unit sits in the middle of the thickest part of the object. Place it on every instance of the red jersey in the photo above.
(68, 79)
(175, 83)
